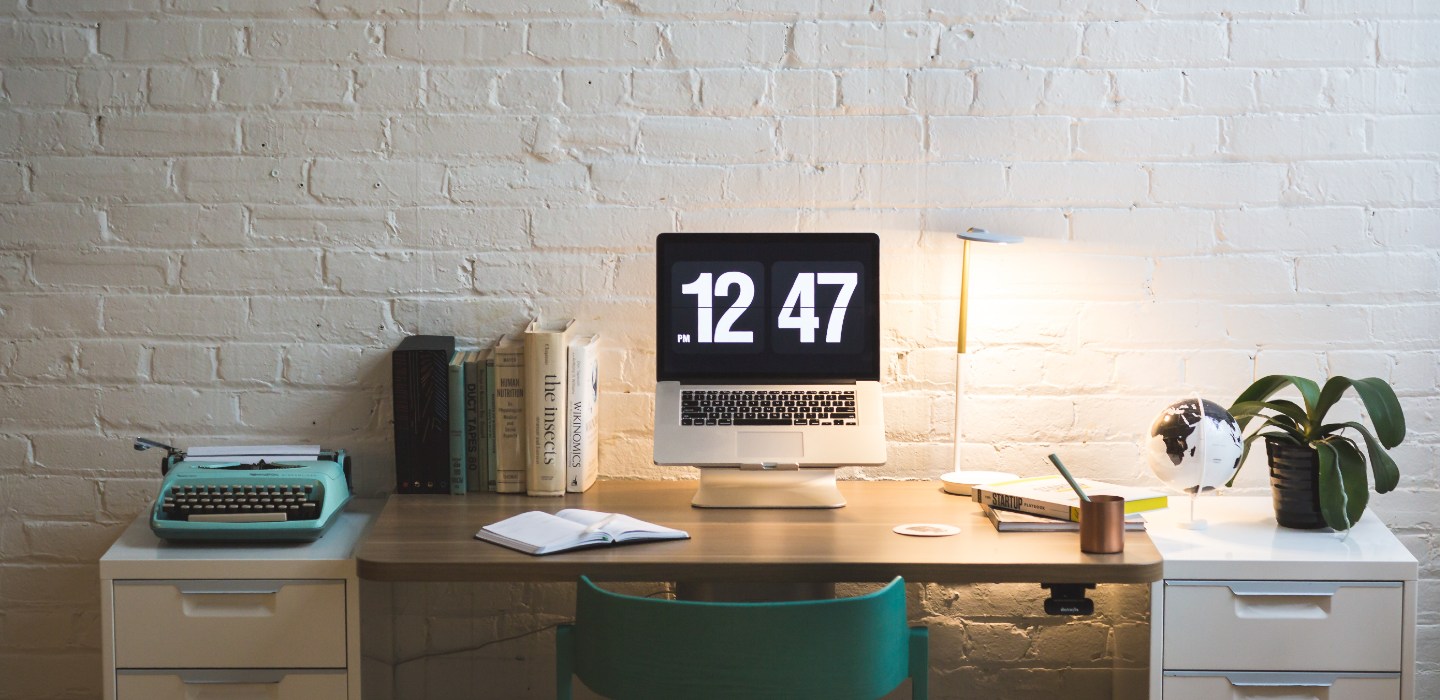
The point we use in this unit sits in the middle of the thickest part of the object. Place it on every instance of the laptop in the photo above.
(768, 350)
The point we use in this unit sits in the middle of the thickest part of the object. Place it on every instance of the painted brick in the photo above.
(610, 228)
(112, 361)
(392, 87)
(1372, 183)
(753, 44)
(1405, 227)
(182, 88)
(39, 87)
(1268, 278)
(326, 412)
(111, 88)
(598, 42)
(806, 91)
(269, 180)
(50, 133)
(249, 362)
(169, 41)
(1157, 231)
(390, 182)
(437, 42)
(313, 42)
(27, 316)
(1077, 92)
(186, 364)
(994, 138)
(177, 224)
(702, 139)
(1149, 92)
(1330, 43)
(1217, 184)
(1079, 183)
(1294, 325)
(733, 91)
(1028, 43)
(446, 136)
(1417, 136)
(48, 226)
(397, 273)
(284, 226)
(14, 273)
(1292, 89)
(1265, 137)
(1220, 90)
(889, 44)
(829, 140)
(277, 135)
(664, 91)
(102, 268)
(327, 365)
(789, 185)
(1282, 229)
(279, 271)
(171, 408)
(459, 227)
(874, 91)
(89, 178)
(1409, 43)
(12, 180)
(529, 91)
(41, 408)
(1415, 275)
(1008, 91)
(164, 134)
(43, 359)
(316, 319)
(942, 184)
(174, 316)
(22, 41)
(1201, 43)
(1147, 139)
(518, 184)
(587, 89)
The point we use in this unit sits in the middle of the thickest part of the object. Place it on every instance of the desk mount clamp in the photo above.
(1068, 599)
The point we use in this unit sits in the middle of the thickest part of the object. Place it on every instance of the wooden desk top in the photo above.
(431, 538)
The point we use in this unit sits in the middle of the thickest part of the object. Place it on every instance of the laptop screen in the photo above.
(773, 307)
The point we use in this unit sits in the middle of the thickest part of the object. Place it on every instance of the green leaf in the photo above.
(1265, 387)
(1332, 495)
(1356, 481)
(1384, 409)
(1287, 436)
(1387, 474)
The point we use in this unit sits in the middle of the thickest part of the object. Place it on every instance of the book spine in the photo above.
(1026, 505)
(489, 440)
(545, 400)
(474, 422)
(420, 380)
(457, 424)
(582, 441)
(510, 419)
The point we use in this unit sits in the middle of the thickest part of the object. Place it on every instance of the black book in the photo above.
(420, 373)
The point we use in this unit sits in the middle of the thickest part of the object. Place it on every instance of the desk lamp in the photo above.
(960, 481)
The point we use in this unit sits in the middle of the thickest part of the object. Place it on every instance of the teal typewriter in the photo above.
(248, 494)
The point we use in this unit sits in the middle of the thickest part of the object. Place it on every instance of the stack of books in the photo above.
(1048, 504)
(517, 417)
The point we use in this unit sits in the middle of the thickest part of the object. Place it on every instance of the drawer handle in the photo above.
(1315, 589)
(1281, 681)
(231, 588)
(235, 677)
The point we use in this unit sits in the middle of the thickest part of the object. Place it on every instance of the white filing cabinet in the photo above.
(1249, 609)
(196, 621)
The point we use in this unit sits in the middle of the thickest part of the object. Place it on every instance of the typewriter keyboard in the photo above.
(247, 503)
(836, 407)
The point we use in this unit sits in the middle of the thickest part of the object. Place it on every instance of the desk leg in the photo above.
(752, 591)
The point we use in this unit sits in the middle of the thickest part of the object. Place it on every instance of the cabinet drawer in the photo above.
(229, 624)
(1283, 625)
(1289, 686)
(237, 684)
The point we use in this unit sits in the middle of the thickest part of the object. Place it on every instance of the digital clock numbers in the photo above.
(806, 307)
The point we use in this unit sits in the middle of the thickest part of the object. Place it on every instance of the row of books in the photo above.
(1049, 504)
(517, 417)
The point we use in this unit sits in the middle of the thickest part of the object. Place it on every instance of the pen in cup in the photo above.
(1055, 459)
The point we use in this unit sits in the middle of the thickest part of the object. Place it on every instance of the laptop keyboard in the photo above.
(826, 407)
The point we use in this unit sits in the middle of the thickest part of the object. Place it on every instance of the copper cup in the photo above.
(1102, 525)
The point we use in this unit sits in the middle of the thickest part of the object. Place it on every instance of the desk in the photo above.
(431, 538)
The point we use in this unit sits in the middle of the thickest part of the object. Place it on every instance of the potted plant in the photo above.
(1317, 469)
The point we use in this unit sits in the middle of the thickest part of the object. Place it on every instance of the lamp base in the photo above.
(960, 482)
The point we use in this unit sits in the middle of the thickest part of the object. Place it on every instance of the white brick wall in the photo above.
(218, 216)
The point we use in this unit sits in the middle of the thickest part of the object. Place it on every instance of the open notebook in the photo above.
(538, 532)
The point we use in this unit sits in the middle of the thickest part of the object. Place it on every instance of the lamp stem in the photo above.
(959, 384)
(964, 297)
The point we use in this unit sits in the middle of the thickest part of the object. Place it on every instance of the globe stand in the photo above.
(1192, 523)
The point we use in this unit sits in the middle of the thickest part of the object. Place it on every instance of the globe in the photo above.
(1195, 445)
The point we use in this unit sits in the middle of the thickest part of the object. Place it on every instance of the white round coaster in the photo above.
(927, 529)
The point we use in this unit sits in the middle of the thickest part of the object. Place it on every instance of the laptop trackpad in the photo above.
(760, 445)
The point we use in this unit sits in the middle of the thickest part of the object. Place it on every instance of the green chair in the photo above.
(629, 647)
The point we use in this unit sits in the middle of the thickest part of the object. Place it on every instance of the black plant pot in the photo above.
(1295, 483)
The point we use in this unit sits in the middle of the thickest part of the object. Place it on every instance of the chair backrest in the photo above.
(629, 647)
